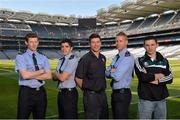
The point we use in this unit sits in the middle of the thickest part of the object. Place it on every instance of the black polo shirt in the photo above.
(92, 70)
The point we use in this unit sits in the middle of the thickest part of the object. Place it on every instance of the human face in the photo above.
(121, 42)
(32, 44)
(150, 46)
(95, 44)
(65, 48)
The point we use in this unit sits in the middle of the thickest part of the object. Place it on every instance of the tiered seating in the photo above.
(148, 22)
(7, 29)
(137, 52)
(54, 31)
(11, 53)
(50, 53)
(2, 56)
(135, 24)
(80, 53)
(176, 18)
(164, 18)
(173, 50)
(40, 30)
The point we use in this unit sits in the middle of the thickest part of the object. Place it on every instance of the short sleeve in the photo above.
(47, 65)
(19, 63)
(80, 69)
(71, 66)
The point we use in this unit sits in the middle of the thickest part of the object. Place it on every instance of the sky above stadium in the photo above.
(59, 7)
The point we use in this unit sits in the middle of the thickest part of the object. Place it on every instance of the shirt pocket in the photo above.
(29, 67)
(41, 65)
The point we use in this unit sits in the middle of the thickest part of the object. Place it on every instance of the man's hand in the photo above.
(42, 71)
(159, 76)
(113, 70)
(155, 82)
(55, 76)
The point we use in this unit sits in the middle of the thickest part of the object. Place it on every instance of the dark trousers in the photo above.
(95, 105)
(120, 101)
(31, 101)
(67, 104)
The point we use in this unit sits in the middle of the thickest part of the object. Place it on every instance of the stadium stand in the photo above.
(135, 24)
(50, 53)
(40, 30)
(3, 56)
(165, 18)
(137, 18)
(176, 18)
(148, 22)
(10, 53)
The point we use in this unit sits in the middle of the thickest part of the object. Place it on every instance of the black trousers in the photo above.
(67, 104)
(120, 101)
(95, 105)
(31, 101)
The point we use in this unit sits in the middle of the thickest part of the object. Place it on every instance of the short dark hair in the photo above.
(94, 35)
(122, 34)
(67, 41)
(150, 38)
(31, 35)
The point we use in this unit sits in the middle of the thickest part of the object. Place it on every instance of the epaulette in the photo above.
(127, 54)
(71, 57)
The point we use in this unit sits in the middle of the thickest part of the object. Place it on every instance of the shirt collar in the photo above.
(92, 54)
(122, 52)
(67, 56)
(158, 56)
(31, 52)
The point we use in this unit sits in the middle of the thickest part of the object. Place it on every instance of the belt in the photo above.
(67, 89)
(92, 91)
(122, 90)
(36, 89)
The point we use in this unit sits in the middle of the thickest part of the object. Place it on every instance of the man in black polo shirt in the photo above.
(90, 77)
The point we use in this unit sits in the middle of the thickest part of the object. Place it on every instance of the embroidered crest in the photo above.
(71, 57)
(127, 54)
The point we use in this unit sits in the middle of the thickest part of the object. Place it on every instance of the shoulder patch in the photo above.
(127, 54)
(71, 57)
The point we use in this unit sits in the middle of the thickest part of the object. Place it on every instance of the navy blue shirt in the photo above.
(92, 71)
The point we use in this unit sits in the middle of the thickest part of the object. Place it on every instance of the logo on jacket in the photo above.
(146, 64)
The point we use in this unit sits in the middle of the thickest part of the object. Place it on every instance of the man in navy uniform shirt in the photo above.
(121, 72)
(90, 77)
(65, 74)
(33, 69)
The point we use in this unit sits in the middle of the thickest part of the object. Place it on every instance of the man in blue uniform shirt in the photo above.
(65, 73)
(33, 69)
(121, 73)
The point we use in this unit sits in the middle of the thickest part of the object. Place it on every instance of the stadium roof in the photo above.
(131, 9)
(128, 10)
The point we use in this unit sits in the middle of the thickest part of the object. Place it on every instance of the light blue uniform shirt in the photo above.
(69, 66)
(25, 61)
(124, 70)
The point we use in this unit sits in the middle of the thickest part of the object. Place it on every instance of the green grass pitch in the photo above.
(9, 91)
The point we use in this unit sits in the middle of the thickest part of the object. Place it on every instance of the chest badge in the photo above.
(146, 64)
